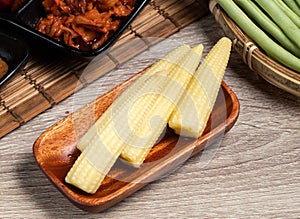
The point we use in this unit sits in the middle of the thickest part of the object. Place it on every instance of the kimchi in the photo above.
(83, 24)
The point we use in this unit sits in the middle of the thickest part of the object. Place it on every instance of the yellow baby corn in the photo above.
(143, 139)
(103, 143)
(165, 64)
(111, 137)
(196, 104)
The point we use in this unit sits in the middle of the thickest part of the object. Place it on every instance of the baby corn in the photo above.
(114, 130)
(111, 137)
(165, 64)
(196, 104)
(144, 138)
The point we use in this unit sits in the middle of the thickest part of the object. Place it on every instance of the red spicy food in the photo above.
(83, 24)
(11, 5)
(5, 4)
(3, 68)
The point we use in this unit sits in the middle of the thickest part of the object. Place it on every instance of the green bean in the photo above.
(298, 2)
(293, 6)
(289, 12)
(268, 25)
(272, 49)
(281, 19)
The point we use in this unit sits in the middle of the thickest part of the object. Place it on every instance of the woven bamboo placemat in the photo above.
(45, 82)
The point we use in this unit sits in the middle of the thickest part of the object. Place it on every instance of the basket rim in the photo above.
(253, 51)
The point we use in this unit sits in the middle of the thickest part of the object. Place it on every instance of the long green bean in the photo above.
(293, 6)
(272, 49)
(281, 19)
(298, 2)
(253, 11)
(289, 12)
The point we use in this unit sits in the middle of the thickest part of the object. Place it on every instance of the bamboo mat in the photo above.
(45, 82)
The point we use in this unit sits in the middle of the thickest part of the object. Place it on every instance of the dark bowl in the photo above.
(25, 19)
(14, 52)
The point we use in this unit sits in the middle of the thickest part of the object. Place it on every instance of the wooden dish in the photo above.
(252, 55)
(55, 150)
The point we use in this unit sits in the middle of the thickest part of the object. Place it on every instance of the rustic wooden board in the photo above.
(44, 82)
(254, 172)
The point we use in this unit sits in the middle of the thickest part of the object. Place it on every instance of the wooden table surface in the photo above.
(254, 172)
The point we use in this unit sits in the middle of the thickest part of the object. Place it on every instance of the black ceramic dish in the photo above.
(14, 52)
(24, 20)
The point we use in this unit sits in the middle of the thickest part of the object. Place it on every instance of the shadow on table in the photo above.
(41, 192)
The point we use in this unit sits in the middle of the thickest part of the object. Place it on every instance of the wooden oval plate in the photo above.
(55, 150)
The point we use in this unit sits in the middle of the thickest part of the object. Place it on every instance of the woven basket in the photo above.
(257, 61)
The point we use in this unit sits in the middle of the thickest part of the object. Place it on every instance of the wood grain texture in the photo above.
(55, 149)
(254, 173)
(50, 77)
